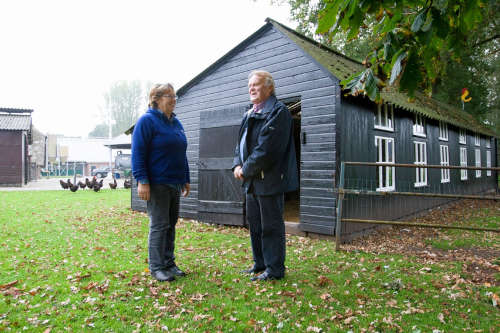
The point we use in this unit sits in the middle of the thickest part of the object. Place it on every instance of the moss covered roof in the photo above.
(343, 67)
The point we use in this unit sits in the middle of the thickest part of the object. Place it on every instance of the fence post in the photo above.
(339, 207)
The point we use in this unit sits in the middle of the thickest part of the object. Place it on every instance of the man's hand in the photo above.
(185, 189)
(143, 190)
(238, 173)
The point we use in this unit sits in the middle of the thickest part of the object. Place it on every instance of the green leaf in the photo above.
(471, 15)
(419, 20)
(440, 26)
(363, 82)
(354, 23)
(397, 65)
(371, 87)
(427, 57)
(411, 76)
(328, 18)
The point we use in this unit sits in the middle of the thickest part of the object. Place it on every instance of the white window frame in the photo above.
(477, 154)
(477, 139)
(488, 142)
(384, 117)
(386, 174)
(420, 159)
(463, 162)
(443, 131)
(444, 156)
(462, 136)
(488, 162)
(419, 125)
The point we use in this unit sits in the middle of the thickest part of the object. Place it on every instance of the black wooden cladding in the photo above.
(358, 127)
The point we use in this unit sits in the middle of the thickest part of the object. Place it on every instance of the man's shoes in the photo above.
(264, 277)
(253, 270)
(163, 276)
(175, 271)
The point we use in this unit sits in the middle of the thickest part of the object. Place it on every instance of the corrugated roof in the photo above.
(15, 122)
(343, 67)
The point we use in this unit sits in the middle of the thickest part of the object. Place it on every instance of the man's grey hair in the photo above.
(269, 81)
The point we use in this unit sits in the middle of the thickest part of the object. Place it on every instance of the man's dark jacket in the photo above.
(269, 163)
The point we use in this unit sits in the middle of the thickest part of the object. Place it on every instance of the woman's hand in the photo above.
(143, 191)
(185, 189)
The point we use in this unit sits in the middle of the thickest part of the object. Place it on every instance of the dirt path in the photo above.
(480, 264)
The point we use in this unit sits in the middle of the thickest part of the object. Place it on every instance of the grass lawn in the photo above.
(78, 262)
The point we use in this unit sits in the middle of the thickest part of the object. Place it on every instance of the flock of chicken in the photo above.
(92, 184)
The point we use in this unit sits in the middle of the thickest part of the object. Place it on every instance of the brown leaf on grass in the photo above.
(13, 291)
(495, 299)
(8, 285)
(79, 277)
(198, 297)
(325, 296)
(153, 291)
(90, 286)
(323, 281)
(288, 293)
(102, 288)
(34, 291)
(349, 320)
(391, 303)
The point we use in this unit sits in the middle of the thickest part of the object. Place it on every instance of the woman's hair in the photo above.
(269, 81)
(157, 92)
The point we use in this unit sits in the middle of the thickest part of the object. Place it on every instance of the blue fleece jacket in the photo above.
(159, 149)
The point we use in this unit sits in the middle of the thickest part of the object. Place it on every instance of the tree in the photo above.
(100, 131)
(122, 104)
(413, 38)
(407, 43)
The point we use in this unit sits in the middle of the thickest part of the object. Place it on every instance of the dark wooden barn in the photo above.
(15, 138)
(329, 128)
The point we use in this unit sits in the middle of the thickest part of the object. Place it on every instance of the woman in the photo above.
(159, 163)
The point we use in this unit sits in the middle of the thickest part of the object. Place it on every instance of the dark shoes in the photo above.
(175, 271)
(253, 270)
(265, 276)
(163, 276)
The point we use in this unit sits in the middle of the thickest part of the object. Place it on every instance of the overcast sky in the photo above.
(58, 57)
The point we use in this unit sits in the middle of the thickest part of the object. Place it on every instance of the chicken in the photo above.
(69, 183)
(97, 187)
(82, 185)
(64, 185)
(87, 182)
(92, 182)
(101, 182)
(113, 184)
(73, 187)
(127, 183)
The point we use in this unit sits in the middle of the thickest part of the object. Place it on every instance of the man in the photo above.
(265, 161)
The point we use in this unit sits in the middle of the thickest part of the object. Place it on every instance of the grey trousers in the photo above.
(267, 232)
(163, 211)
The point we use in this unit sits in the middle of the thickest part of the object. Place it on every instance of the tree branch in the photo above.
(487, 40)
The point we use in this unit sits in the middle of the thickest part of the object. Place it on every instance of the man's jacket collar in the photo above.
(268, 107)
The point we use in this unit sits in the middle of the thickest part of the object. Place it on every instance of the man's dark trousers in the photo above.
(267, 232)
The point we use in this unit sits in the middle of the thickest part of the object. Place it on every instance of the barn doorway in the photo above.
(292, 199)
